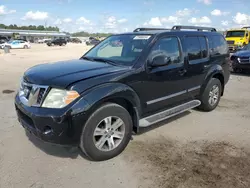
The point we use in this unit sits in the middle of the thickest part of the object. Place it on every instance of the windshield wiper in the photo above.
(86, 58)
(105, 61)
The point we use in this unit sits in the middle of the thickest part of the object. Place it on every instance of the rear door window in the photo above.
(197, 48)
(193, 48)
(204, 47)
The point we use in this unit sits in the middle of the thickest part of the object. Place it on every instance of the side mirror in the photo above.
(160, 60)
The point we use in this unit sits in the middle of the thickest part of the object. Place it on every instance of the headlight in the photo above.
(240, 43)
(238, 59)
(59, 98)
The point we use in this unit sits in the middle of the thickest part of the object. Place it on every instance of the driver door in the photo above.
(165, 84)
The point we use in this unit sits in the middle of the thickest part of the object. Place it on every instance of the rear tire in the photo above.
(101, 139)
(211, 95)
(25, 47)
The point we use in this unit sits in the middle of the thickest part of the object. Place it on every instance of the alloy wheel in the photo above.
(109, 133)
(214, 95)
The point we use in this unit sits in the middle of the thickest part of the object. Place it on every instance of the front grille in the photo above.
(230, 42)
(40, 95)
(32, 94)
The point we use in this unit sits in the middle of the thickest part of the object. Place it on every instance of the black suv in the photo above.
(96, 102)
(58, 42)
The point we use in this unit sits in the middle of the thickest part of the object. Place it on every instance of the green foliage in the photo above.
(86, 34)
(30, 27)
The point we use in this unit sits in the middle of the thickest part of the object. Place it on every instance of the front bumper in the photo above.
(237, 65)
(57, 126)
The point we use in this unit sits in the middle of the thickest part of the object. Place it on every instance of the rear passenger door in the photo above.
(197, 62)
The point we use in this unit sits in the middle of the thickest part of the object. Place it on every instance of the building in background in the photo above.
(32, 35)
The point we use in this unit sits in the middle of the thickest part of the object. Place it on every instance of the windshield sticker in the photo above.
(142, 37)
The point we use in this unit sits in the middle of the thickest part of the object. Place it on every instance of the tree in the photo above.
(30, 27)
(15, 26)
(40, 27)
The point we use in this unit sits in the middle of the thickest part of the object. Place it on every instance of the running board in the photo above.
(147, 121)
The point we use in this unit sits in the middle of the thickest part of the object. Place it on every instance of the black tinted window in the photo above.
(219, 45)
(204, 49)
(193, 48)
(168, 46)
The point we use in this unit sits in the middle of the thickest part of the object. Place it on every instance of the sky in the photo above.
(125, 15)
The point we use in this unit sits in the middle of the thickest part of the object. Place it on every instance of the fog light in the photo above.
(47, 130)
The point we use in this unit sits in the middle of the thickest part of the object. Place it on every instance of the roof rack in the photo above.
(198, 28)
(148, 29)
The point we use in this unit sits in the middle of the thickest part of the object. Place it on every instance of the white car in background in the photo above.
(43, 40)
(16, 44)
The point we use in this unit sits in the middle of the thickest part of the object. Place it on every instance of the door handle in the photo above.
(182, 72)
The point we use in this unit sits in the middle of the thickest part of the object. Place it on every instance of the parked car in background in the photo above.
(15, 44)
(57, 42)
(240, 60)
(92, 41)
(75, 40)
(3, 39)
(40, 41)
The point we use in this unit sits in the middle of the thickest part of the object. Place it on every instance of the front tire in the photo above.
(211, 95)
(107, 132)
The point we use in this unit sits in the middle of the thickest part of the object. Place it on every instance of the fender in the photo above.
(214, 70)
(95, 96)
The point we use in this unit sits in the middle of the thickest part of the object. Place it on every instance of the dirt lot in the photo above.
(194, 150)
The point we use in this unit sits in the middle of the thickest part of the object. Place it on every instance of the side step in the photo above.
(147, 121)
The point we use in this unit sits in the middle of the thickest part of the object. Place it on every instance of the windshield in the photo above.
(235, 34)
(120, 49)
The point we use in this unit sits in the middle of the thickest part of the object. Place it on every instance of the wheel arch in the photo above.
(214, 72)
(117, 93)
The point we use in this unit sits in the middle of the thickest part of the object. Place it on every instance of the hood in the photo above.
(243, 53)
(61, 74)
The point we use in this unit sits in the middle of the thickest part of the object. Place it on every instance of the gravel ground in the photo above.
(195, 149)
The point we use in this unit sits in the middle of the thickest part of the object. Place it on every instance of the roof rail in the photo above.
(198, 28)
(148, 29)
